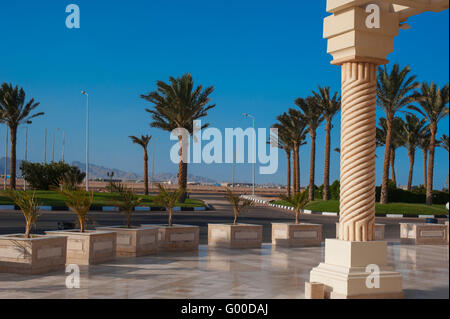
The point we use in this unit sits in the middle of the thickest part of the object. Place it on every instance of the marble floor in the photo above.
(222, 273)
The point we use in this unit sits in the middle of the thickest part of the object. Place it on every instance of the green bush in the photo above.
(43, 176)
(416, 196)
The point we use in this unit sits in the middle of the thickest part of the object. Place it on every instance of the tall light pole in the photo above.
(87, 139)
(153, 162)
(53, 145)
(6, 157)
(63, 145)
(45, 146)
(253, 151)
(26, 153)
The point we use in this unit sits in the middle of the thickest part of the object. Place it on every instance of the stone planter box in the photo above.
(135, 241)
(177, 237)
(296, 235)
(88, 248)
(379, 231)
(423, 234)
(37, 255)
(235, 236)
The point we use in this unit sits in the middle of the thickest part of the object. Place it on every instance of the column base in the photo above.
(344, 271)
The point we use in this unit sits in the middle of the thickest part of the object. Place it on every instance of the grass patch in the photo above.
(391, 208)
(52, 198)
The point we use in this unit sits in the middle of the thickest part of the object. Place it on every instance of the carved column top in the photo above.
(364, 30)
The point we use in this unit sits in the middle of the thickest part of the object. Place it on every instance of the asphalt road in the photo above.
(13, 221)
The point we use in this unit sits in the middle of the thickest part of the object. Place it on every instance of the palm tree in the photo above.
(283, 142)
(143, 141)
(329, 107)
(397, 140)
(126, 199)
(424, 145)
(295, 128)
(432, 102)
(168, 200)
(15, 111)
(176, 106)
(29, 206)
(312, 117)
(298, 201)
(414, 129)
(393, 93)
(238, 203)
(444, 142)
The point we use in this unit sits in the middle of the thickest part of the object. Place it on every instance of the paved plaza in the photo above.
(223, 273)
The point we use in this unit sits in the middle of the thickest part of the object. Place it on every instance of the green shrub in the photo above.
(43, 176)
(416, 196)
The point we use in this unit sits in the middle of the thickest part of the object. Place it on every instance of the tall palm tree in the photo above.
(424, 145)
(312, 117)
(177, 105)
(15, 111)
(397, 140)
(393, 93)
(329, 106)
(432, 102)
(414, 129)
(283, 142)
(295, 128)
(143, 141)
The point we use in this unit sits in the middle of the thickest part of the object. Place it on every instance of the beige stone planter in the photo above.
(235, 236)
(296, 235)
(379, 231)
(446, 226)
(423, 234)
(37, 255)
(89, 248)
(135, 241)
(177, 237)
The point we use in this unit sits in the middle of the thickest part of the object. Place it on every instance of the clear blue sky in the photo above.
(259, 55)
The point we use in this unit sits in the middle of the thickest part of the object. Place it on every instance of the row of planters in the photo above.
(36, 254)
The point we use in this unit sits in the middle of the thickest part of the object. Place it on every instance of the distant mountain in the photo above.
(97, 171)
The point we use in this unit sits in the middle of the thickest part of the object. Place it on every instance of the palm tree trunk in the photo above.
(411, 155)
(326, 173)
(312, 166)
(392, 164)
(145, 171)
(182, 171)
(431, 166)
(387, 155)
(288, 179)
(425, 172)
(295, 169)
(170, 217)
(12, 180)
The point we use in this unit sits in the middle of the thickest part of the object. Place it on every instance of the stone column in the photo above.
(360, 35)
(358, 129)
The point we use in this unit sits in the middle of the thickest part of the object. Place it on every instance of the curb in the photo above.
(111, 208)
(309, 212)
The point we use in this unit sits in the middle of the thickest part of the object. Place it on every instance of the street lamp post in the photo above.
(26, 153)
(6, 157)
(253, 151)
(63, 145)
(45, 146)
(53, 145)
(87, 139)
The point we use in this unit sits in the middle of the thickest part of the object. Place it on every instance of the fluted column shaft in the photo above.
(358, 130)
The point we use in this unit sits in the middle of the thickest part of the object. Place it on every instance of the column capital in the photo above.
(358, 33)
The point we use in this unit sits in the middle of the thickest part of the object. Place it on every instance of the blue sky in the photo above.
(259, 55)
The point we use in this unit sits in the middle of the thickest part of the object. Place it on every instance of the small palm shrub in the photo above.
(298, 201)
(80, 202)
(126, 199)
(238, 203)
(28, 205)
(168, 199)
